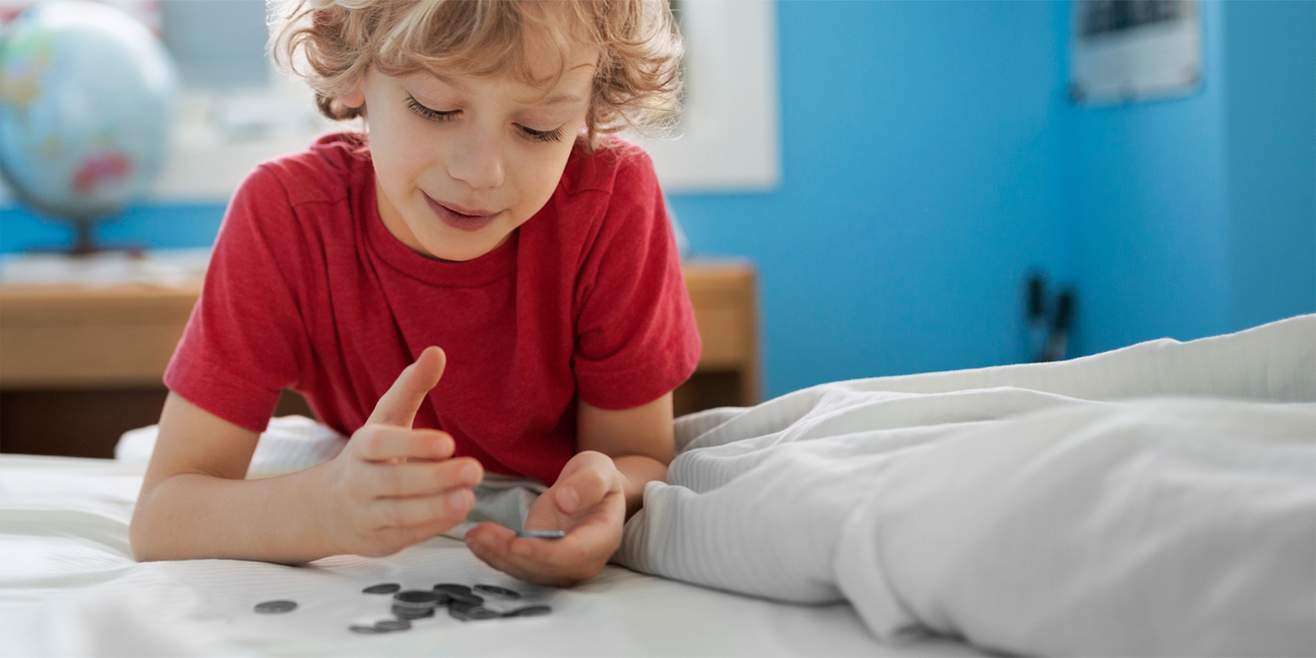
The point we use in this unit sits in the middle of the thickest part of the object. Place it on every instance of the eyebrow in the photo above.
(556, 99)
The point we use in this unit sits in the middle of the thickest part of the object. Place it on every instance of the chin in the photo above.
(446, 247)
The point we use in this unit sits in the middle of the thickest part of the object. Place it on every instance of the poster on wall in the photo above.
(1130, 50)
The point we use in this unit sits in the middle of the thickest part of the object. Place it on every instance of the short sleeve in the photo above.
(245, 338)
(636, 338)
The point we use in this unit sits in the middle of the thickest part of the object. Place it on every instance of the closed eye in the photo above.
(414, 105)
(554, 135)
(431, 114)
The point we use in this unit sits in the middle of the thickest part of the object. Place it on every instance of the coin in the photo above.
(417, 597)
(495, 590)
(382, 588)
(452, 588)
(390, 625)
(403, 612)
(470, 599)
(468, 613)
(275, 607)
(542, 534)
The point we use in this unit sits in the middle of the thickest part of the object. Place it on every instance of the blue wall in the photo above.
(1196, 215)
(922, 179)
(1270, 67)
(930, 160)
(1149, 194)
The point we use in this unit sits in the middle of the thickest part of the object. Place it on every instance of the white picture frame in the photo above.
(1132, 51)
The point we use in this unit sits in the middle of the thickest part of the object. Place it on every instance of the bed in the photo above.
(1154, 500)
(68, 587)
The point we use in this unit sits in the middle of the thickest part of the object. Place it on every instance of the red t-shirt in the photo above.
(308, 290)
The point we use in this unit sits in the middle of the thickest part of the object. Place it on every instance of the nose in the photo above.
(477, 161)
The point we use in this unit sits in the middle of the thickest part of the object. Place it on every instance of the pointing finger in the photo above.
(400, 402)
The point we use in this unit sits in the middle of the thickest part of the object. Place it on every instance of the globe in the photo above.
(86, 103)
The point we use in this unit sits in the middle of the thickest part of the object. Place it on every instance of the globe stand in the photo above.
(85, 244)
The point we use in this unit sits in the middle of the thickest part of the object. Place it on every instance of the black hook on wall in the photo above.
(1048, 337)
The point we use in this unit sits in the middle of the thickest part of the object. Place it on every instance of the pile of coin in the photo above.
(462, 602)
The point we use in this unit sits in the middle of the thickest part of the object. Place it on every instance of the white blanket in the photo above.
(69, 587)
(1155, 500)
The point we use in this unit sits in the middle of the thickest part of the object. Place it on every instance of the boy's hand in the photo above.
(393, 486)
(588, 501)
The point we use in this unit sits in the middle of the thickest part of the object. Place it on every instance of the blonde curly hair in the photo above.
(637, 81)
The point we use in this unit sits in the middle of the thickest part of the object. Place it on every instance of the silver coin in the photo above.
(412, 613)
(495, 590)
(275, 607)
(417, 597)
(382, 588)
(469, 613)
(390, 625)
(542, 534)
(364, 629)
(465, 599)
(452, 588)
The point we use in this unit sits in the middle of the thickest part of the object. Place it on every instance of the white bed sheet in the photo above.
(1154, 500)
(68, 587)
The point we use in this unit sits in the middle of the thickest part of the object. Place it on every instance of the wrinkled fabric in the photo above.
(1154, 500)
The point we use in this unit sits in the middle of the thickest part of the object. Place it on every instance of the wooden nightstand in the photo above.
(79, 365)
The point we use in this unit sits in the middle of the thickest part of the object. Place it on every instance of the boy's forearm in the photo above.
(637, 471)
(193, 516)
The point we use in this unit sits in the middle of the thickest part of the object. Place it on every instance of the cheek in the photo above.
(397, 159)
(541, 175)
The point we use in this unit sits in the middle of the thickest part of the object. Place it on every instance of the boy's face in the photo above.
(462, 161)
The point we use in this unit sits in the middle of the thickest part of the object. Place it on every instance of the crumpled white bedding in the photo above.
(1155, 500)
(69, 587)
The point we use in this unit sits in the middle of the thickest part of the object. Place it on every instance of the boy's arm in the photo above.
(640, 440)
(390, 487)
(195, 501)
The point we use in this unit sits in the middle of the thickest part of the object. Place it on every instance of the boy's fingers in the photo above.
(424, 478)
(548, 563)
(448, 508)
(491, 533)
(400, 402)
(527, 554)
(392, 443)
(581, 490)
(416, 534)
(491, 543)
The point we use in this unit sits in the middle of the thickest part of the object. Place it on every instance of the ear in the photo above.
(355, 96)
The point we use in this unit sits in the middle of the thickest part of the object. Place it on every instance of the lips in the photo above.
(460, 217)
(468, 212)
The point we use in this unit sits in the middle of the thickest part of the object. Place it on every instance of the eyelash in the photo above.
(436, 115)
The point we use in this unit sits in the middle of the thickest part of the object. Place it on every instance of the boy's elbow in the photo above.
(143, 540)
(139, 540)
(139, 546)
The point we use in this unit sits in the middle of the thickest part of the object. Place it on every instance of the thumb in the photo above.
(400, 402)
(584, 488)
